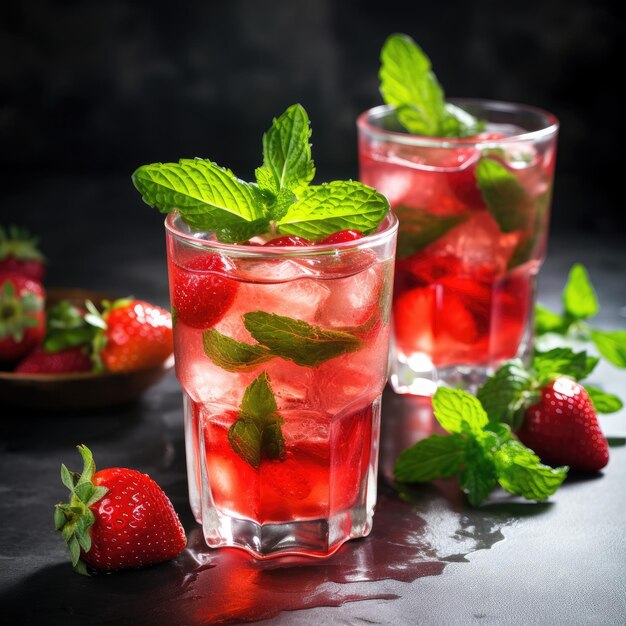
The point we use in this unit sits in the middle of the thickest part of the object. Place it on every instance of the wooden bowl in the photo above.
(82, 390)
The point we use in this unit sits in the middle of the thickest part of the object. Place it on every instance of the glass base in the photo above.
(349, 492)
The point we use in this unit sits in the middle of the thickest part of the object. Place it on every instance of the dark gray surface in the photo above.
(433, 562)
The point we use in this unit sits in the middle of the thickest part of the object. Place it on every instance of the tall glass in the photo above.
(298, 359)
(474, 216)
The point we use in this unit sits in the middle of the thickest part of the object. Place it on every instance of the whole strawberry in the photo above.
(562, 427)
(19, 253)
(117, 518)
(66, 361)
(22, 316)
(134, 335)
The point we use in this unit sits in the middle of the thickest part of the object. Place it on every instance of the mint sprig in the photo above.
(211, 198)
(481, 453)
(257, 432)
(408, 82)
(278, 336)
(580, 304)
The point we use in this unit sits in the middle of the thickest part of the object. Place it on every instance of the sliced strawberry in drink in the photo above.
(288, 240)
(428, 269)
(201, 294)
(455, 319)
(285, 478)
(342, 236)
(413, 316)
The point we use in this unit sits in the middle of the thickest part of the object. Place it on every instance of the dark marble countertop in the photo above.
(433, 560)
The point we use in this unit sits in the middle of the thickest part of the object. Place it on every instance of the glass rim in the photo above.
(389, 226)
(366, 127)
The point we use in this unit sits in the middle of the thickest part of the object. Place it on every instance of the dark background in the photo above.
(89, 90)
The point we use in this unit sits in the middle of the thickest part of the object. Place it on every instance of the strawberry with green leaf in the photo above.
(117, 518)
(580, 304)
(20, 253)
(551, 411)
(22, 316)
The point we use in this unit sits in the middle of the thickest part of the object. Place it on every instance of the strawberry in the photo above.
(134, 335)
(19, 254)
(341, 236)
(69, 360)
(288, 240)
(201, 294)
(562, 427)
(22, 317)
(117, 518)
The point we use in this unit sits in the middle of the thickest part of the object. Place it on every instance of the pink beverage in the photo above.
(473, 218)
(301, 339)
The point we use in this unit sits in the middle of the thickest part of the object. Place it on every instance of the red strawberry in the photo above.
(40, 361)
(136, 335)
(201, 295)
(288, 240)
(341, 236)
(117, 518)
(19, 254)
(286, 478)
(22, 317)
(562, 428)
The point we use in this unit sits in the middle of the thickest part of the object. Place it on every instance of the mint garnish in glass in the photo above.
(280, 201)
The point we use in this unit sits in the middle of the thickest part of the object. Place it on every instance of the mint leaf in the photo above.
(244, 437)
(458, 411)
(232, 355)
(198, 187)
(604, 402)
(281, 203)
(298, 341)
(611, 344)
(520, 472)
(324, 209)
(478, 476)
(579, 297)
(420, 229)
(265, 180)
(257, 434)
(504, 195)
(407, 82)
(548, 322)
(562, 362)
(287, 152)
(503, 394)
(437, 456)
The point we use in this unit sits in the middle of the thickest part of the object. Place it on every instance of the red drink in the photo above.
(303, 335)
(473, 222)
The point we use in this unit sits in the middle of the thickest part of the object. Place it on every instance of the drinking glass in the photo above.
(474, 216)
(282, 395)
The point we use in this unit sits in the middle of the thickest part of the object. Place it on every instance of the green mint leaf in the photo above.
(265, 180)
(287, 152)
(437, 456)
(324, 209)
(611, 344)
(548, 322)
(604, 402)
(503, 394)
(459, 123)
(232, 355)
(562, 362)
(408, 83)
(238, 232)
(258, 401)
(478, 476)
(579, 297)
(198, 187)
(420, 229)
(244, 437)
(459, 411)
(281, 203)
(520, 472)
(257, 433)
(504, 195)
(298, 341)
